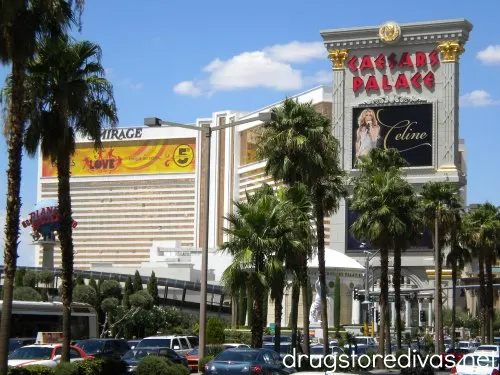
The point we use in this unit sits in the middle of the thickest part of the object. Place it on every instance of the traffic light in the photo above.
(356, 294)
(377, 314)
(422, 316)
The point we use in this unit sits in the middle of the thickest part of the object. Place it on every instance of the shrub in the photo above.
(215, 331)
(153, 366)
(18, 371)
(66, 369)
(26, 293)
(202, 362)
(177, 369)
(38, 370)
(89, 366)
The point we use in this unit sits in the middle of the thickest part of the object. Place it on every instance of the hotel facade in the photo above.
(139, 199)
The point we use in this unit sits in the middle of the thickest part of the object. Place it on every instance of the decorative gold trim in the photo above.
(389, 32)
(451, 50)
(338, 58)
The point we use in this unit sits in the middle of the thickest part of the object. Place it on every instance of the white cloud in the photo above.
(297, 52)
(490, 55)
(477, 98)
(269, 68)
(188, 88)
(252, 69)
(129, 84)
(321, 77)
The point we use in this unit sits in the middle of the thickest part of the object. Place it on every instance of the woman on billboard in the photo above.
(368, 133)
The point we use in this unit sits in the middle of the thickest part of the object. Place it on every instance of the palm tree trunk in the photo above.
(440, 304)
(13, 206)
(278, 312)
(305, 306)
(437, 284)
(453, 301)
(397, 293)
(250, 312)
(257, 319)
(320, 229)
(294, 315)
(234, 312)
(489, 298)
(66, 239)
(482, 293)
(384, 291)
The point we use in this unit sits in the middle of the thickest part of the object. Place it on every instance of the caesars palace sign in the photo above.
(393, 61)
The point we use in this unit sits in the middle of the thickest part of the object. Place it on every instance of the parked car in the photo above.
(238, 361)
(17, 342)
(134, 356)
(180, 344)
(193, 356)
(104, 348)
(270, 338)
(493, 349)
(316, 354)
(453, 355)
(477, 364)
(133, 343)
(45, 354)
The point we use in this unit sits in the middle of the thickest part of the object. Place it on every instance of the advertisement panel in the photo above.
(407, 128)
(356, 244)
(135, 157)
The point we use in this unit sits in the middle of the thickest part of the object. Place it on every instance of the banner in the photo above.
(135, 157)
(407, 128)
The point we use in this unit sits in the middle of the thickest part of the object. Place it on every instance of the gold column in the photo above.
(338, 58)
(451, 50)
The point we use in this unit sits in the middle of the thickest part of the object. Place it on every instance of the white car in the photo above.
(492, 349)
(481, 363)
(47, 355)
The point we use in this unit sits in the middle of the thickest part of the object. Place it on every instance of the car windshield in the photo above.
(90, 346)
(155, 343)
(486, 361)
(463, 344)
(237, 356)
(139, 353)
(360, 340)
(194, 351)
(31, 352)
(317, 350)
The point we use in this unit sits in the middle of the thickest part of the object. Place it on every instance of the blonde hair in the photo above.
(361, 118)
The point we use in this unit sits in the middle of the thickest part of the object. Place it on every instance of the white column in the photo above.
(430, 317)
(420, 308)
(355, 313)
(407, 313)
(48, 253)
(375, 305)
(393, 314)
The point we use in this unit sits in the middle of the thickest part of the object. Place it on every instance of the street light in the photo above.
(369, 256)
(206, 130)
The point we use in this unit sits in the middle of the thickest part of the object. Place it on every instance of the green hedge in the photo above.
(31, 370)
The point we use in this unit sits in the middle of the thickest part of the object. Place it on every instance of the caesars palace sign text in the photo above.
(394, 62)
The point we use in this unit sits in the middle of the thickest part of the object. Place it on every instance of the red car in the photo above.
(453, 355)
(44, 354)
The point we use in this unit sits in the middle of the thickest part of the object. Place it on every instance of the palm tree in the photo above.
(384, 200)
(482, 226)
(255, 231)
(456, 259)
(382, 161)
(300, 147)
(21, 25)
(65, 97)
(440, 202)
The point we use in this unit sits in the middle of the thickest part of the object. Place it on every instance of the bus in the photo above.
(29, 318)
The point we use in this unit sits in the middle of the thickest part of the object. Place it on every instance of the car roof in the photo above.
(162, 337)
(42, 346)
(151, 348)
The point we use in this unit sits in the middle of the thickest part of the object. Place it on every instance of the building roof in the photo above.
(336, 259)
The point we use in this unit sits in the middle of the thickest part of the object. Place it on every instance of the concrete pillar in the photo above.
(355, 313)
(407, 313)
(420, 308)
(375, 309)
(430, 322)
(393, 314)
(48, 253)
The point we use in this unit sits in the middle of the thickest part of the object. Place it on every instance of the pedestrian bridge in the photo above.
(182, 294)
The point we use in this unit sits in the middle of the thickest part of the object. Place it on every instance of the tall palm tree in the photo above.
(440, 202)
(382, 198)
(456, 259)
(382, 161)
(22, 23)
(255, 232)
(299, 146)
(481, 233)
(64, 97)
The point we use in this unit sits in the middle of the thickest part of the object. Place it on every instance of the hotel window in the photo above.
(249, 140)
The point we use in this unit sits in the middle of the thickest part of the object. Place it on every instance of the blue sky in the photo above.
(171, 59)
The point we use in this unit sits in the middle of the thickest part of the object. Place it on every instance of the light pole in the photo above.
(369, 256)
(207, 131)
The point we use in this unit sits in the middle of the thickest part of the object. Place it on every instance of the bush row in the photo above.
(149, 366)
